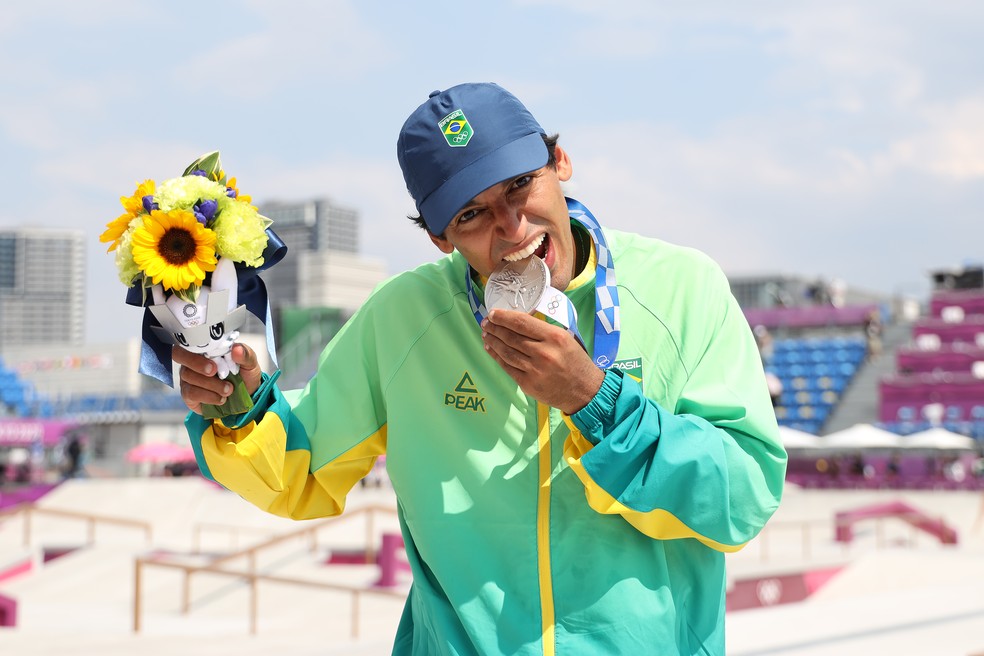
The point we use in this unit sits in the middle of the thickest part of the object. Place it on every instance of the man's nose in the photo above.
(510, 220)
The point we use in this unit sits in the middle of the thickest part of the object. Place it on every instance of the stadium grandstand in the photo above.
(813, 340)
(50, 394)
(891, 399)
(939, 376)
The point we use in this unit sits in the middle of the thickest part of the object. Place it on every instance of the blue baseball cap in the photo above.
(461, 142)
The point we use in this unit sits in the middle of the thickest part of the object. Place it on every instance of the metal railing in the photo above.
(29, 510)
(216, 566)
(810, 529)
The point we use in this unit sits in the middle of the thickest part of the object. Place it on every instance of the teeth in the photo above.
(526, 252)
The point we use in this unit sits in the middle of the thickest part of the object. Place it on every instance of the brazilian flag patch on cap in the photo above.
(456, 129)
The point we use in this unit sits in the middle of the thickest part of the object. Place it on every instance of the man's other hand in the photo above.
(199, 384)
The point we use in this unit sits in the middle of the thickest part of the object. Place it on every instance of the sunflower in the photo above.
(133, 206)
(173, 248)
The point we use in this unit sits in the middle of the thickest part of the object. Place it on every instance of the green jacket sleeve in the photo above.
(710, 468)
(299, 453)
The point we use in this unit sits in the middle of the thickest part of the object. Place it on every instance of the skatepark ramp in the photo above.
(935, 526)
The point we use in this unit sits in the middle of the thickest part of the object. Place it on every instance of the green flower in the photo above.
(241, 233)
(127, 268)
(182, 193)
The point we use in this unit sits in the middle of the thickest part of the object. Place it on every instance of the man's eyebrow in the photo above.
(504, 183)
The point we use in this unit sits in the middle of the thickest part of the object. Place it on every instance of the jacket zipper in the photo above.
(543, 529)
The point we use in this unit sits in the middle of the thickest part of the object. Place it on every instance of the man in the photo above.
(562, 489)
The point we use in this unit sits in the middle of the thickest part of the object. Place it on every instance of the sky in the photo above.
(830, 138)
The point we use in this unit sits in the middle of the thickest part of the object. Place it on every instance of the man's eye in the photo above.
(522, 181)
(467, 215)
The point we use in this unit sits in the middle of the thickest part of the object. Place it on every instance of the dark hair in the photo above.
(551, 143)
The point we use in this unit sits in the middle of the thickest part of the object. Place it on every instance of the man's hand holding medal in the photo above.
(546, 358)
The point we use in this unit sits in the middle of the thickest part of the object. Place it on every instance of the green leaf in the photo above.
(189, 295)
(237, 403)
(210, 163)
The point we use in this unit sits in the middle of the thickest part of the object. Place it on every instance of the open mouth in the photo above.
(536, 247)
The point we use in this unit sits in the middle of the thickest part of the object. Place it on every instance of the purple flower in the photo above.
(231, 193)
(149, 204)
(205, 210)
(200, 173)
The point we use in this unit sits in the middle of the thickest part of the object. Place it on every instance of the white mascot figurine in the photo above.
(210, 326)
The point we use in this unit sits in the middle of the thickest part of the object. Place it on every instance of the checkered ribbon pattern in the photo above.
(607, 324)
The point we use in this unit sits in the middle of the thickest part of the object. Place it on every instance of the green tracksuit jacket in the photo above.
(530, 532)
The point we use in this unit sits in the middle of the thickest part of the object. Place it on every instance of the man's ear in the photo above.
(442, 243)
(563, 165)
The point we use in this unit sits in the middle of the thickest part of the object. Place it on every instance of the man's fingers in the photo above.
(194, 396)
(520, 323)
(199, 384)
(514, 350)
(515, 329)
(193, 379)
(249, 366)
(244, 356)
(194, 361)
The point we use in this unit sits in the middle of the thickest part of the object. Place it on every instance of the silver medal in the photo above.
(517, 285)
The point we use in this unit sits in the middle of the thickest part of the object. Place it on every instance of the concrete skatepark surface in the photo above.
(891, 590)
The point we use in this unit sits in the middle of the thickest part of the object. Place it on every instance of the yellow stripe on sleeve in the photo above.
(256, 465)
(658, 524)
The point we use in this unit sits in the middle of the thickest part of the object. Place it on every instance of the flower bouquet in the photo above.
(188, 242)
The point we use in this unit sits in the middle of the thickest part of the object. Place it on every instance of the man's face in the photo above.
(517, 218)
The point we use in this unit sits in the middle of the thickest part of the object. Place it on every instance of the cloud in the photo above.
(18, 17)
(759, 197)
(372, 186)
(813, 138)
(303, 43)
(951, 145)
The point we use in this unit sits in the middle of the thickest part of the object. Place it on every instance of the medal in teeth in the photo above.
(517, 285)
(525, 286)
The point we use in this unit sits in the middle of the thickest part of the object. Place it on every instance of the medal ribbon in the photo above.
(607, 324)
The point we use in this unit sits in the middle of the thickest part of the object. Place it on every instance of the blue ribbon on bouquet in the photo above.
(155, 355)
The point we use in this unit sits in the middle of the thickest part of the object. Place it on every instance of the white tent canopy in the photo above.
(862, 436)
(793, 439)
(938, 438)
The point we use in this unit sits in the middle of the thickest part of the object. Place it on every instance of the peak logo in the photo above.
(465, 396)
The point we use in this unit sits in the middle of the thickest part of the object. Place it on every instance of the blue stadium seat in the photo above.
(805, 397)
(780, 346)
(907, 413)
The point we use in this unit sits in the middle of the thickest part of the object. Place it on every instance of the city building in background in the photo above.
(323, 267)
(42, 287)
(319, 284)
